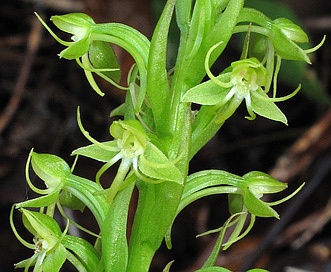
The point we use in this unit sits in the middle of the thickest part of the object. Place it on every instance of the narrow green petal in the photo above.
(257, 206)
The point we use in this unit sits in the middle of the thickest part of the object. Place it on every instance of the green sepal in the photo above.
(154, 164)
(131, 137)
(265, 108)
(262, 183)
(97, 152)
(291, 30)
(39, 202)
(50, 168)
(251, 15)
(258, 270)
(285, 47)
(256, 206)
(208, 93)
(118, 128)
(75, 50)
(73, 23)
(255, 185)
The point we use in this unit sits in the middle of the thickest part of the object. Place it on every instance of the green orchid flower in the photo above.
(53, 171)
(91, 50)
(77, 24)
(49, 253)
(52, 247)
(277, 37)
(244, 80)
(139, 157)
(245, 202)
(285, 36)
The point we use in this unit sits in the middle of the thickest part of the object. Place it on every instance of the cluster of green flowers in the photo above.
(158, 135)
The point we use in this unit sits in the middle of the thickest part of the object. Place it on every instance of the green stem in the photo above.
(157, 207)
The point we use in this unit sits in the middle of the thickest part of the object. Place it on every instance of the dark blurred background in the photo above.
(39, 94)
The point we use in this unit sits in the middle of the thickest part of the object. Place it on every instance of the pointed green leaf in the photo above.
(201, 22)
(183, 14)
(157, 81)
(89, 192)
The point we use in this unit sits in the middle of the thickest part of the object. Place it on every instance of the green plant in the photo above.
(159, 134)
